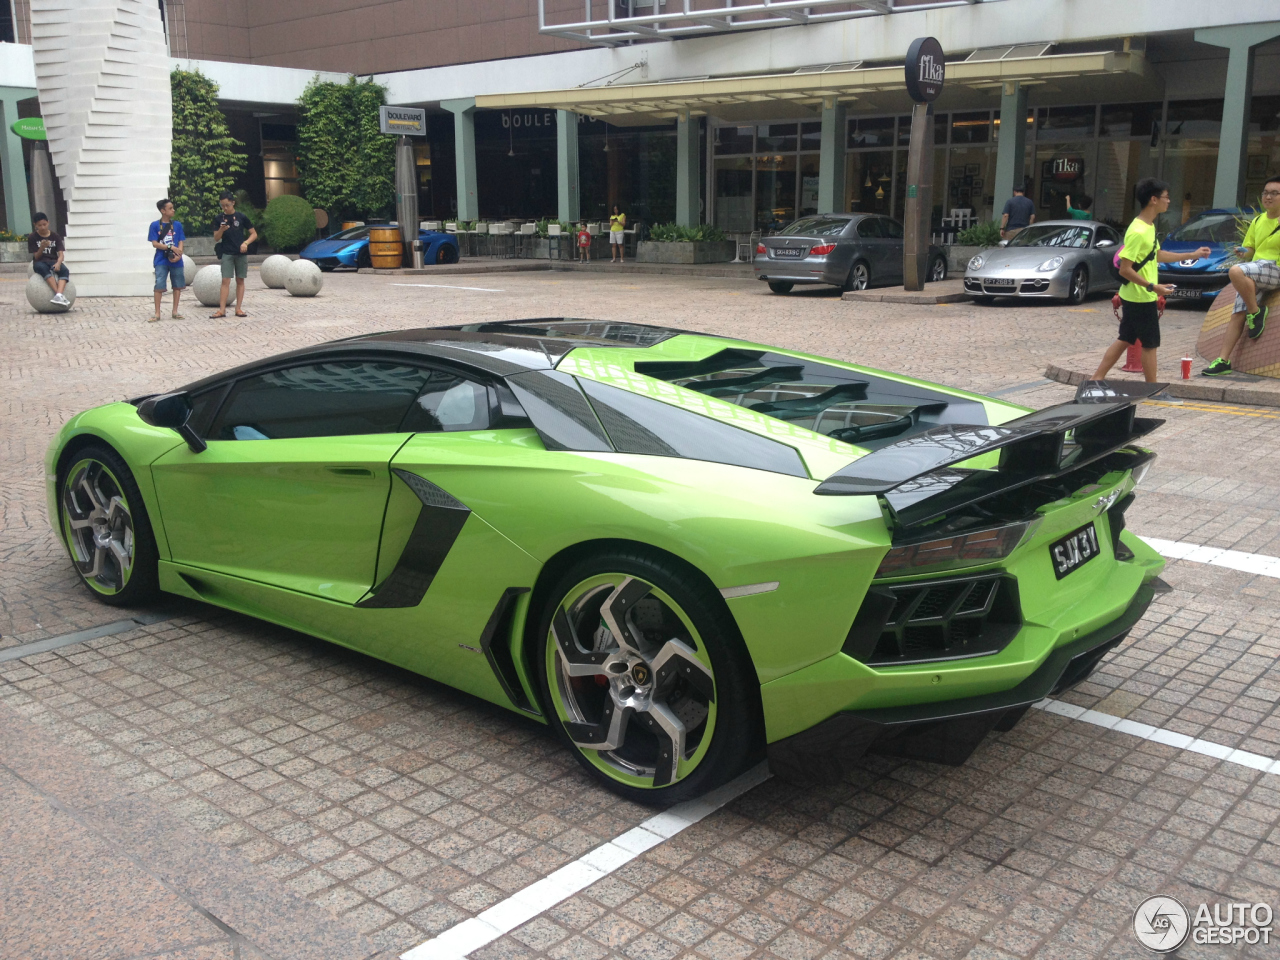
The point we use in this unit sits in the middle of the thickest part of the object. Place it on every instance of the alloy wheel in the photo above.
(98, 525)
(938, 271)
(631, 681)
(1079, 285)
(859, 277)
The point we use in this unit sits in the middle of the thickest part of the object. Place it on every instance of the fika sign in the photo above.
(926, 70)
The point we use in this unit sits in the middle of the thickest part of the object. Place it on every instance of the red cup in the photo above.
(1186, 368)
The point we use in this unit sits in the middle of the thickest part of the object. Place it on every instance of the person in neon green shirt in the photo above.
(1081, 212)
(617, 223)
(1257, 271)
(1140, 311)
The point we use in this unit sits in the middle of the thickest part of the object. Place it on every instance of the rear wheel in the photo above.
(645, 679)
(859, 277)
(780, 286)
(363, 260)
(1079, 288)
(937, 270)
(446, 253)
(106, 528)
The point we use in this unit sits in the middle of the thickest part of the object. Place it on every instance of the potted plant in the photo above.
(672, 243)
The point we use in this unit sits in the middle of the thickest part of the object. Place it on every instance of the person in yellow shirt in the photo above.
(617, 223)
(1140, 295)
(1257, 271)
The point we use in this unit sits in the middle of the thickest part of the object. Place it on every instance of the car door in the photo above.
(293, 487)
(873, 247)
(1106, 242)
(894, 248)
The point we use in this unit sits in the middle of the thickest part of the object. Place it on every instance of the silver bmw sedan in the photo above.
(1062, 259)
(847, 250)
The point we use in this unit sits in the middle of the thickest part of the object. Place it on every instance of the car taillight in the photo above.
(760, 248)
(821, 250)
(963, 550)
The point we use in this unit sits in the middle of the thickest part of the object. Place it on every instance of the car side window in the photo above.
(448, 402)
(1106, 233)
(869, 228)
(336, 398)
(892, 229)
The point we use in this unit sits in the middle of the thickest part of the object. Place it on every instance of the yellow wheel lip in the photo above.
(684, 767)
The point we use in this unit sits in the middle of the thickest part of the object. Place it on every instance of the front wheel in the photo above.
(106, 529)
(937, 270)
(780, 286)
(859, 277)
(447, 253)
(1079, 288)
(646, 678)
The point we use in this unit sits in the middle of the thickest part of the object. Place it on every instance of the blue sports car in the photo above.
(350, 248)
(1216, 229)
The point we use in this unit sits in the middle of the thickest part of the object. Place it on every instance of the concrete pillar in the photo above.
(831, 158)
(568, 199)
(688, 179)
(1012, 150)
(17, 206)
(1228, 186)
(464, 150)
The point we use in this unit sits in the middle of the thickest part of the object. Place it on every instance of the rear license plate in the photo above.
(1189, 293)
(999, 282)
(789, 252)
(1074, 550)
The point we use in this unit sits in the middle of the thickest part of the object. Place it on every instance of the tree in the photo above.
(344, 163)
(205, 160)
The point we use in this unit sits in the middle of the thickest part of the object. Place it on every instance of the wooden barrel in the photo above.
(348, 224)
(385, 247)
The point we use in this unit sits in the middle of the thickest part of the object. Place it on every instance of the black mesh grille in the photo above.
(943, 619)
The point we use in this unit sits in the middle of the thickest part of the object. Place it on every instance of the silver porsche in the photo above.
(1056, 259)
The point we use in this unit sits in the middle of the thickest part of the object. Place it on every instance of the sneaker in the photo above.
(61, 300)
(1255, 323)
(1219, 368)
(1164, 396)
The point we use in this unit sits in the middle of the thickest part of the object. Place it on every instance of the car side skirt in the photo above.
(946, 731)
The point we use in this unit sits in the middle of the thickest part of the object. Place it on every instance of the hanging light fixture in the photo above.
(606, 136)
(879, 193)
(511, 134)
(868, 183)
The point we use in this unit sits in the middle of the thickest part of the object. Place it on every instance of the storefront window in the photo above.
(1190, 166)
(774, 183)
(279, 156)
(869, 184)
(971, 127)
(1129, 119)
(808, 204)
(970, 180)
(1263, 158)
(1065, 123)
(1062, 170)
(733, 194)
(776, 138)
(775, 191)
(1121, 164)
(1194, 118)
(940, 125)
(637, 171)
(873, 132)
(811, 136)
(731, 140)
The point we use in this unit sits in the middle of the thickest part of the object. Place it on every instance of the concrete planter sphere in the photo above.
(207, 284)
(41, 297)
(188, 269)
(274, 269)
(303, 279)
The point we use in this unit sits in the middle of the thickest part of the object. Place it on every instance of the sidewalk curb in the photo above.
(1199, 389)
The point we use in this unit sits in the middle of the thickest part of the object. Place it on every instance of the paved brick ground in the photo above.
(402, 807)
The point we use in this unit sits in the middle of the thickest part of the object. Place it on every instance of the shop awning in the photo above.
(803, 92)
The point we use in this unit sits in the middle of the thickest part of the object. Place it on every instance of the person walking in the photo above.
(233, 233)
(1081, 212)
(1140, 311)
(617, 224)
(584, 243)
(47, 253)
(1019, 213)
(167, 236)
(1257, 271)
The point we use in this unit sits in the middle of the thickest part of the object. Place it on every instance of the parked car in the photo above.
(677, 550)
(848, 250)
(350, 248)
(1057, 259)
(1216, 229)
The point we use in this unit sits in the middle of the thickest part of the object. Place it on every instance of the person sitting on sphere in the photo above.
(47, 253)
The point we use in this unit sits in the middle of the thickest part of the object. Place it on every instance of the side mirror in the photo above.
(172, 410)
(1003, 243)
(1105, 243)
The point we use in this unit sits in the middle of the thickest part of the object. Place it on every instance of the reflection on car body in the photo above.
(1063, 259)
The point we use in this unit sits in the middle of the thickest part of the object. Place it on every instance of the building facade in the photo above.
(746, 120)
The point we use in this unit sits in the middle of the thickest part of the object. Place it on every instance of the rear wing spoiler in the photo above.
(917, 478)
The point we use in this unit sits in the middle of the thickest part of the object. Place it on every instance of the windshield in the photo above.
(352, 233)
(1212, 228)
(1053, 235)
(816, 227)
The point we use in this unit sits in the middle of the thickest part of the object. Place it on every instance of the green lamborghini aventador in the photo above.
(678, 550)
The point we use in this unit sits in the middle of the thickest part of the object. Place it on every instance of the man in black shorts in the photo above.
(1140, 310)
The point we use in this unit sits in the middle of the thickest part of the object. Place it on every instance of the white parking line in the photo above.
(484, 928)
(448, 286)
(1256, 563)
(1158, 735)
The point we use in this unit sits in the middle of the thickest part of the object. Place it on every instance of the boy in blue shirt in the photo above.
(167, 236)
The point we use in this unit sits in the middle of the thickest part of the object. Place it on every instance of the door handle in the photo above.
(350, 471)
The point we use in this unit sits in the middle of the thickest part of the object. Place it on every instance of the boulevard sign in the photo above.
(403, 121)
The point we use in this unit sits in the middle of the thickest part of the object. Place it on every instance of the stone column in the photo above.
(1012, 150)
(17, 207)
(464, 151)
(688, 179)
(1233, 145)
(102, 70)
(831, 157)
(568, 201)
